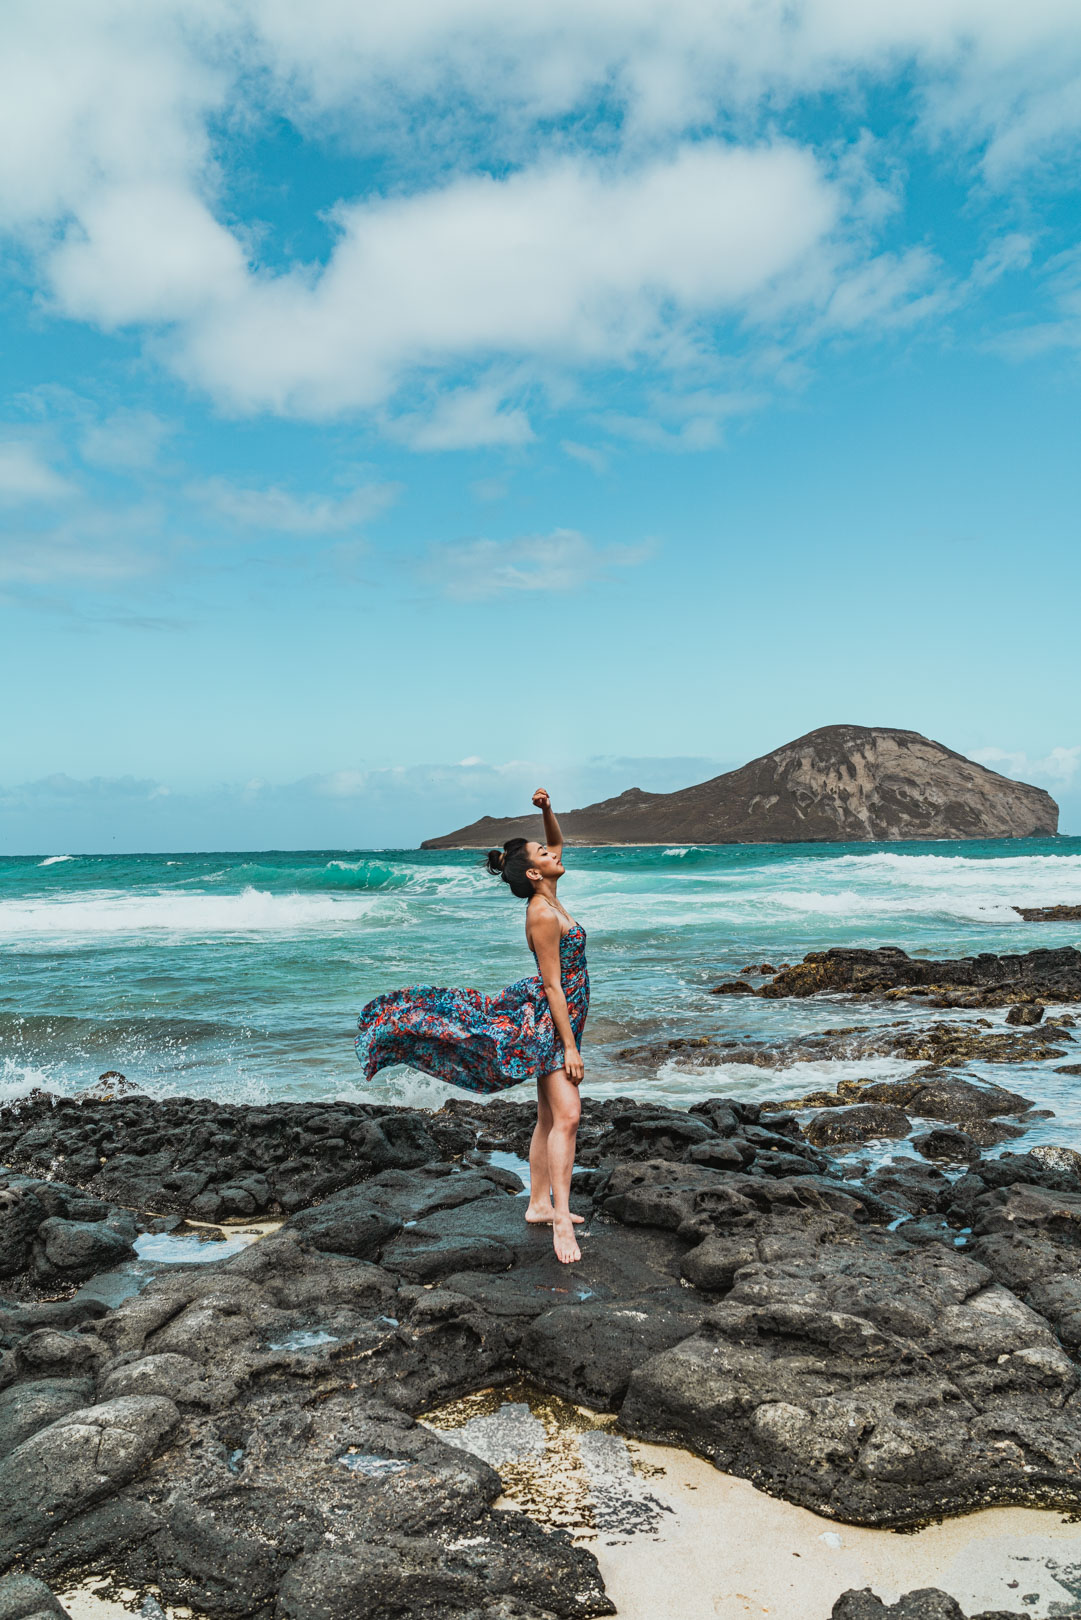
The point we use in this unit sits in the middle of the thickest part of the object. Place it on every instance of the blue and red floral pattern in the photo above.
(481, 1043)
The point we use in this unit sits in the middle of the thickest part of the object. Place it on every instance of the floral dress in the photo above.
(481, 1043)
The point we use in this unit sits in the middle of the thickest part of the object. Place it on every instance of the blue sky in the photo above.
(406, 404)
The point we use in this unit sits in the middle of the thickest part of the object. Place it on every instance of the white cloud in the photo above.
(1008, 253)
(94, 547)
(888, 291)
(62, 789)
(692, 419)
(25, 476)
(568, 262)
(276, 509)
(1061, 329)
(1057, 768)
(567, 252)
(464, 419)
(993, 73)
(127, 439)
(470, 570)
(144, 252)
(587, 454)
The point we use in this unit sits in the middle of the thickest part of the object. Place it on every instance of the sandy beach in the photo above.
(678, 1540)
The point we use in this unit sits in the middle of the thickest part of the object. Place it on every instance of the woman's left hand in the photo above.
(542, 799)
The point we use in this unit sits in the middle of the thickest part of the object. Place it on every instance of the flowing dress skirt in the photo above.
(481, 1043)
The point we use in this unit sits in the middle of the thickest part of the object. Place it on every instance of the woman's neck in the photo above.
(546, 888)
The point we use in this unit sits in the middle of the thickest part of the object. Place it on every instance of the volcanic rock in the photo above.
(859, 1123)
(52, 1233)
(242, 1435)
(951, 1145)
(24, 1598)
(927, 1603)
(840, 783)
(83, 1456)
(941, 1043)
(211, 1160)
(991, 981)
(1049, 913)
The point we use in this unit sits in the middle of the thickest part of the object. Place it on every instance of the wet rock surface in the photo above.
(928, 1603)
(52, 1234)
(942, 1044)
(984, 980)
(241, 1436)
(24, 1598)
(968, 1113)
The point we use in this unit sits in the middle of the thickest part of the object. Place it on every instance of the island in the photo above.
(839, 784)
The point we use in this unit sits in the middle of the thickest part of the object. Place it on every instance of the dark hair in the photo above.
(511, 863)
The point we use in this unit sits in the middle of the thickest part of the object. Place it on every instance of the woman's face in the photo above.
(543, 862)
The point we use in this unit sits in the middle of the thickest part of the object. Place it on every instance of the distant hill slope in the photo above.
(838, 784)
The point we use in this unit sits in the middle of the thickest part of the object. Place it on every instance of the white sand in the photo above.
(84, 1602)
(729, 1551)
(676, 1540)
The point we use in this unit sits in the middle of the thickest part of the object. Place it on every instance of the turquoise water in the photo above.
(239, 975)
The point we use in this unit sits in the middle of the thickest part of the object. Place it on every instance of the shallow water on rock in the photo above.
(360, 1462)
(189, 1249)
(304, 1339)
(560, 1463)
(157, 1252)
(511, 1162)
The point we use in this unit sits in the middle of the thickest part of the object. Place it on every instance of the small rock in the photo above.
(926, 1603)
(32, 1405)
(956, 1147)
(85, 1455)
(1028, 1013)
(24, 1598)
(75, 1250)
(859, 1123)
(1057, 1158)
(108, 1086)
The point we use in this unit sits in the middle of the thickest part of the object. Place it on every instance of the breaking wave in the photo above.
(252, 911)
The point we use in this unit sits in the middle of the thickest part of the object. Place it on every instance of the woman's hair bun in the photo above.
(511, 863)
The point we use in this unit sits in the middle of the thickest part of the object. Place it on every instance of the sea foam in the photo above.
(112, 912)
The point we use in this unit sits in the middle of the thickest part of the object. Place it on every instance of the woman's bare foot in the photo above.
(544, 1214)
(564, 1241)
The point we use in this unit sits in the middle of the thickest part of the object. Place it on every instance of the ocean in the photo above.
(239, 976)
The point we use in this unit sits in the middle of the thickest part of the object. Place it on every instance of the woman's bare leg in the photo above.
(565, 1107)
(541, 1210)
(540, 1200)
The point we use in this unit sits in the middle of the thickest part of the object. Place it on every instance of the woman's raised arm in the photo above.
(553, 837)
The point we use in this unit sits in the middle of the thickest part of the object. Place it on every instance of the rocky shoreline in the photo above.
(883, 1339)
(883, 1350)
(1033, 978)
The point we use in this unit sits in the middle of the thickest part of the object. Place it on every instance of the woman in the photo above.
(529, 1032)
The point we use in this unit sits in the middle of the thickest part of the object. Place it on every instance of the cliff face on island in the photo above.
(837, 784)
